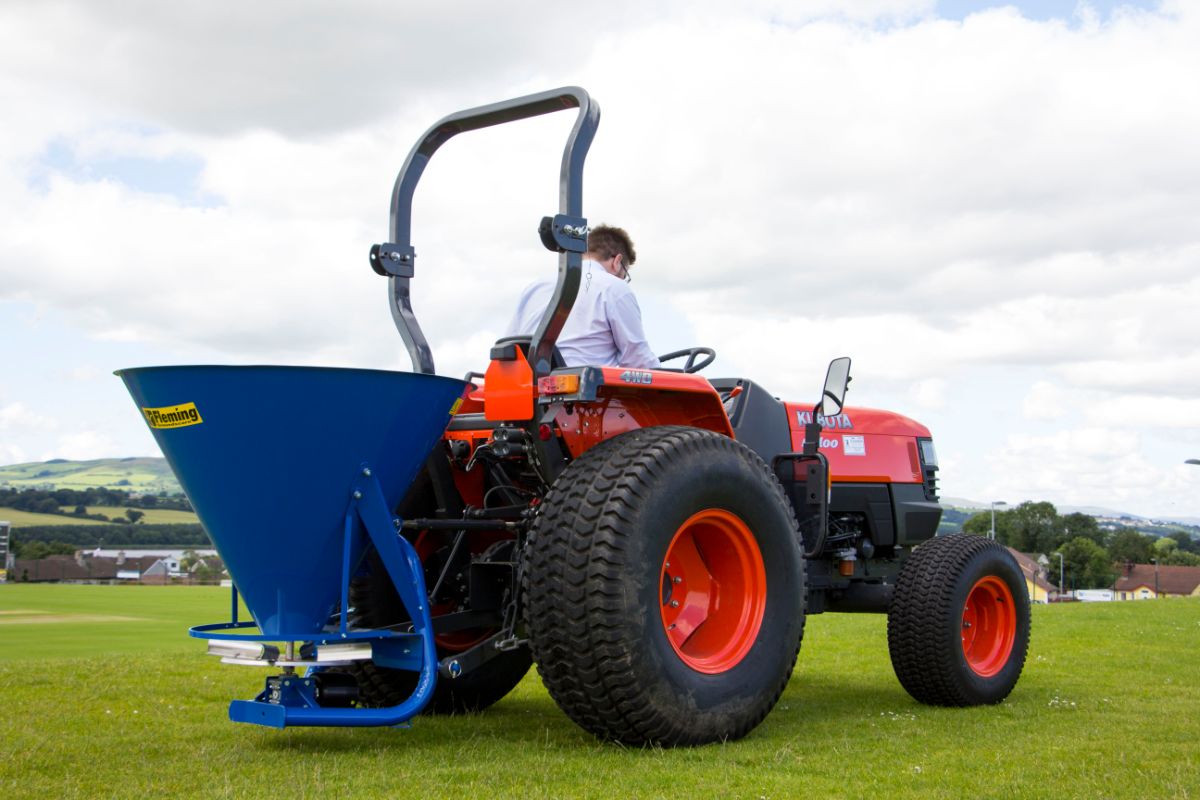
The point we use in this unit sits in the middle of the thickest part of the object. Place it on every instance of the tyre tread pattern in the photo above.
(573, 600)
(925, 617)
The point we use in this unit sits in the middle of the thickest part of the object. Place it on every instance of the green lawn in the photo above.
(153, 516)
(1109, 707)
(28, 519)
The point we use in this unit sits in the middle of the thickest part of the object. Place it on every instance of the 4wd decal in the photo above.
(637, 376)
(173, 416)
(839, 422)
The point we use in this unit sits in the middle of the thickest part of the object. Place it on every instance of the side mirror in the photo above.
(837, 379)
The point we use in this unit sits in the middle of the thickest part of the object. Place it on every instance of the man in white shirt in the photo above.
(605, 324)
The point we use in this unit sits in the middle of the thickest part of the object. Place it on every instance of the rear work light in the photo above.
(558, 384)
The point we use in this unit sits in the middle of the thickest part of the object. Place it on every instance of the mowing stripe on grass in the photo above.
(52, 619)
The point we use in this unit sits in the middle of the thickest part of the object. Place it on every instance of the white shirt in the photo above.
(604, 327)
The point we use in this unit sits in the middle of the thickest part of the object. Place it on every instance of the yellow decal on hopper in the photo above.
(173, 416)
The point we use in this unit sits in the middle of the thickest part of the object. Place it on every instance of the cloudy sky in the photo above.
(995, 210)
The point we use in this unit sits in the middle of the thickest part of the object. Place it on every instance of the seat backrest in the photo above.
(523, 342)
(759, 420)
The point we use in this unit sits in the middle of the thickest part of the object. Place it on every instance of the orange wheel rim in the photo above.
(989, 626)
(713, 591)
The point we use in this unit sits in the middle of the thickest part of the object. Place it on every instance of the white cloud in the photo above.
(82, 446)
(1147, 411)
(1076, 467)
(1046, 400)
(17, 415)
(929, 394)
(803, 180)
(12, 454)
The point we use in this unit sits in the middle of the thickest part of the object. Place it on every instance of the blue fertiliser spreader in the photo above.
(294, 472)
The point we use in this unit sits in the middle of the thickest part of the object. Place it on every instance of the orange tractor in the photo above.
(652, 539)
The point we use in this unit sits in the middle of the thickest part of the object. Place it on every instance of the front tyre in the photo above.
(665, 588)
(958, 626)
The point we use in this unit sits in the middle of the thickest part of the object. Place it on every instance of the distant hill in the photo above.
(142, 475)
(975, 506)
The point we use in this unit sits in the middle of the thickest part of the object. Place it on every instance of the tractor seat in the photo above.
(759, 420)
(523, 342)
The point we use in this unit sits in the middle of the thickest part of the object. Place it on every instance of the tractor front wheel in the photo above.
(958, 626)
(665, 588)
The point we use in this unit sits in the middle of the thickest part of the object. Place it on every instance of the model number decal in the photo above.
(637, 376)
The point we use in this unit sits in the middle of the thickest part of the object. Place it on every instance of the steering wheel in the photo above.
(692, 353)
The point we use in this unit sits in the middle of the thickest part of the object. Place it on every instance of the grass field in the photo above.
(105, 696)
(28, 519)
(153, 516)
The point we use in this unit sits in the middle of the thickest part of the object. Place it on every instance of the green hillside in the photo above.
(28, 519)
(144, 475)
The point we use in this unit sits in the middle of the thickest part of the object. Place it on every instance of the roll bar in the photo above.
(565, 233)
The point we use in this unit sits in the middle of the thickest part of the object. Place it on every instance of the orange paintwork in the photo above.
(677, 381)
(880, 443)
(989, 626)
(509, 394)
(623, 406)
(712, 591)
(625, 402)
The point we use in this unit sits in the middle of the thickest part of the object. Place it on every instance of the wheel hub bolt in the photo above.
(674, 604)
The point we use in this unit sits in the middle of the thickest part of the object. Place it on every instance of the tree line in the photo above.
(75, 502)
(39, 541)
(1091, 554)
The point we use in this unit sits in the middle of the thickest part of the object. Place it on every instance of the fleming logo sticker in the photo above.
(173, 416)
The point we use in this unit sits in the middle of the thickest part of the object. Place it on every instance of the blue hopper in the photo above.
(293, 472)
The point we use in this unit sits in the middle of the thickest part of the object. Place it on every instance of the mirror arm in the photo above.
(812, 433)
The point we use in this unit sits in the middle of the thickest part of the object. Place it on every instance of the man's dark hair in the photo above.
(607, 241)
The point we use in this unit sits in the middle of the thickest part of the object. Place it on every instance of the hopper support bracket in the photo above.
(293, 703)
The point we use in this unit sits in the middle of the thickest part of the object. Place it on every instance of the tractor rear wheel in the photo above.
(958, 626)
(664, 588)
(377, 605)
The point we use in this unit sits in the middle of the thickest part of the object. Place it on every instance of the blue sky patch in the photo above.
(177, 176)
(1042, 9)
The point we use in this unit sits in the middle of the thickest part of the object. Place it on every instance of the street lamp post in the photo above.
(1060, 574)
(1155, 560)
(995, 503)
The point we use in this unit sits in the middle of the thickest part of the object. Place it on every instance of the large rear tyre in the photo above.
(958, 626)
(665, 588)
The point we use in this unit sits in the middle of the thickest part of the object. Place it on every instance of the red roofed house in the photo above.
(1144, 581)
(1036, 582)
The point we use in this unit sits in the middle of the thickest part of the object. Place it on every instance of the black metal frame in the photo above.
(565, 233)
